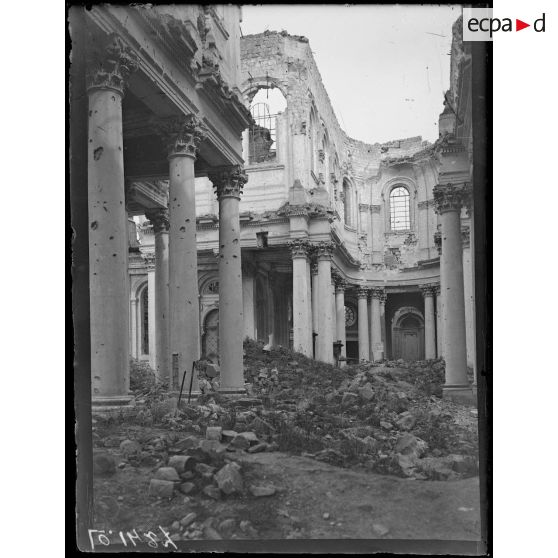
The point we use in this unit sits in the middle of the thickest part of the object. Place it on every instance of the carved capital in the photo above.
(379, 293)
(324, 250)
(314, 268)
(375, 208)
(438, 289)
(362, 292)
(451, 197)
(159, 218)
(228, 182)
(109, 63)
(182, 134)
(339, 282)
(321, 155)
(300, 248)
(428, 290)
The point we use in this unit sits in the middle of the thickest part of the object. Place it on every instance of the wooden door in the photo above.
(410, 345)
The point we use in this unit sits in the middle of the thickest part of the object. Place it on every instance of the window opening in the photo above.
(399, 206)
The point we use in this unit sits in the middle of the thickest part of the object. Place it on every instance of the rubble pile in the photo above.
(388, 418)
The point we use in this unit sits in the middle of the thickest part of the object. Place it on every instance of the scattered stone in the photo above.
(349, 398)
(175, 526)
(262, 491)
(213, 433)
(240, 442)
(186, 443)
(262, 446)
(380, 530)
(103, 464)
(386, 425)
(229, 478)
(167, 474)
(181, 463)
(211, 534)
(326, 515)
(162, 488)
(407, 421)
(187, 487)
(187, 519)
(228, 435)
(366, 392)
(206, 471)
(247, 528)
(130, 448)
(250, 436)
(407, 444)
(212, 492)
(227, 526)
(212, 370)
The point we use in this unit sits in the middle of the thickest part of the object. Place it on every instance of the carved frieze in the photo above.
(362, 292)
(110, 62)
(379, 293)
(228, 182)
(428, 290)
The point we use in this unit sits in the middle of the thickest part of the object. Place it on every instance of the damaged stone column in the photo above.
(315, 304)
(324, 341)
(159, 218)
(302, 321)
(363, 346)
(248, 299)
(439, 328)
(183, 135)
(449, 199)
(228, 183)
(377, 349)
(109, 65)
(428, 292)
(340, 286)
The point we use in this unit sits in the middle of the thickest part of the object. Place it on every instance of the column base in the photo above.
(232, 393)
(110, 405)
(459, 394)
(174, 394)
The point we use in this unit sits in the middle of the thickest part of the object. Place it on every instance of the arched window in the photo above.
(266, 104)
(399, 209)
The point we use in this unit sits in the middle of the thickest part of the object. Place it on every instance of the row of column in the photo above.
(177, 329)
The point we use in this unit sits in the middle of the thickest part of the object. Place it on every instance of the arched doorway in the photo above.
(408, 334)
(210, 339)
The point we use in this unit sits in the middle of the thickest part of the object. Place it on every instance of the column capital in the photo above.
(324, 250)
(181, 134)
(379, 293)
(110, 62)
(451, 197)
(228, 182)
(428, 290)
(300, 248)
(338, 281)
(438, 289)
(314, 267)
(159, 218)
(362, 291)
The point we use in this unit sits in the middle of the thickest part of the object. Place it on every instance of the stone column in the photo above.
(315, 304)
(183, 135)
(428, 292)
(377, 240)
(449, 200)
(383, 299)
(324, 341)
(363, 346)
(341, 335)
(151, 326)
(468, 293)
(108, 66)
(248, 300)
(228, 183)
(377, 294)
(439, 328)
(134, 331)
(310, 329)
(302, 320)
(160, 221)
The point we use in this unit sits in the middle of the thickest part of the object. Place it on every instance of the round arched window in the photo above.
(400, 209)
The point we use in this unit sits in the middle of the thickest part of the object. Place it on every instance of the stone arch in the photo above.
(407, 334)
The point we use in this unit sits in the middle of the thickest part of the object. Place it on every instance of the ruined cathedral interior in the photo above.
(226, 202)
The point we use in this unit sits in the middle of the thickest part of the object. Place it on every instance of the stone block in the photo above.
(167, 474)
(213, 433)
(229, 479)
(162, 488)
